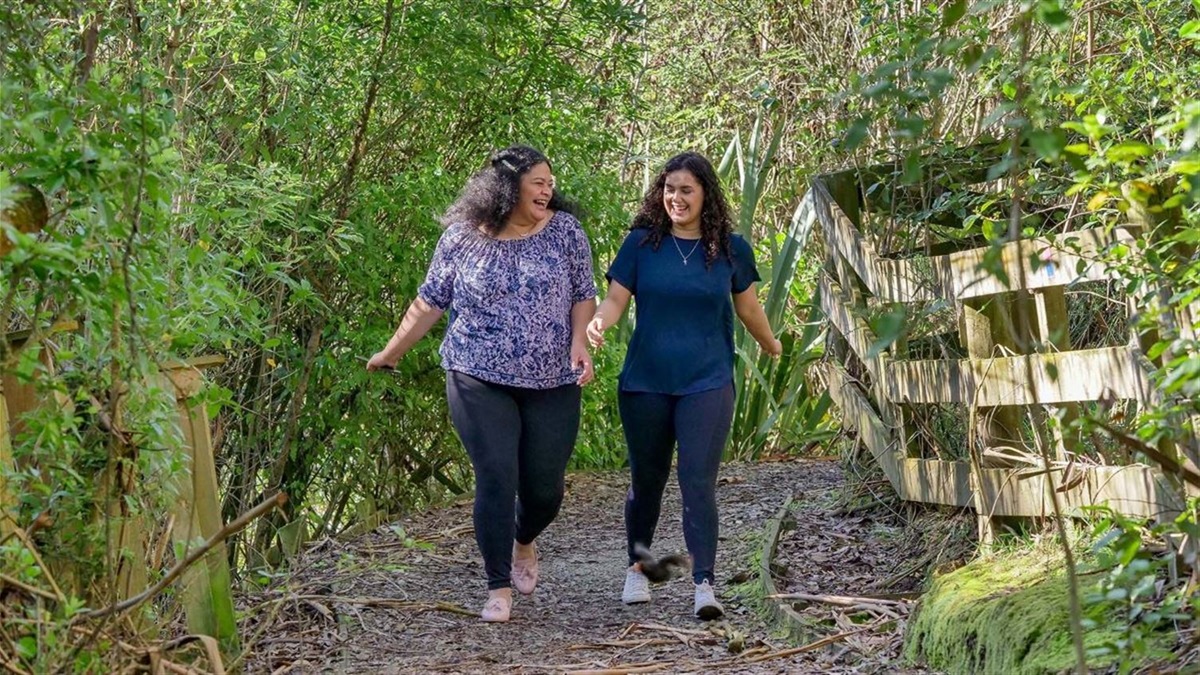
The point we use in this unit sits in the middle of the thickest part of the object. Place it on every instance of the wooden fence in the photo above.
(994, 293)
(138, 542)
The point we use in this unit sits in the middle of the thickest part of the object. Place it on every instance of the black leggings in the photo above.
(653, 424)
(519, 441)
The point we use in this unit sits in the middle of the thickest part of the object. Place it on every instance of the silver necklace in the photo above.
(681, 255)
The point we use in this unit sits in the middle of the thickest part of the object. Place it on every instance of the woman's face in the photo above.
(537, 187)
(683, 198)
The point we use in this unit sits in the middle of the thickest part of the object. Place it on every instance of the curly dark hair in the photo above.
(491, 194)
(716, 223)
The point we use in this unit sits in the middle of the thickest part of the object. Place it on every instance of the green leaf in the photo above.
(952, 12)
(27, 647)
(1048, 144)
(1190, 30)
(856, 134)
(1051, 13)
(1129, 151)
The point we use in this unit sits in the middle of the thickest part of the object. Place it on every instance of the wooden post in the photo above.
(975, 332)
(984, 324)
(207, 590)
(8, 498)
(1054, 333)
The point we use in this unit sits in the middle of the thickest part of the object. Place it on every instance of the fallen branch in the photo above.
(609, 644)
(26, 587)
(37, 558)
(623, 669)
(232, 528)
(385, 603)
(839, 600)
(812, 646)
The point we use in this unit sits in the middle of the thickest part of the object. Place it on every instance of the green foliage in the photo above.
(261, 181)
(1139, 593)
(774, 400)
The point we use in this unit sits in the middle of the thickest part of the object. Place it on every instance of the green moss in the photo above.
(1006, 613)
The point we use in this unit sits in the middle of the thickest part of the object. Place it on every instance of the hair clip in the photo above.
(508, 165)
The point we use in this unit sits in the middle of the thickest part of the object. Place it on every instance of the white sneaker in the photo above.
(637, 588)
(707, 607)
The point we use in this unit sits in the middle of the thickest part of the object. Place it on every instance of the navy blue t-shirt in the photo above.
(683, 338)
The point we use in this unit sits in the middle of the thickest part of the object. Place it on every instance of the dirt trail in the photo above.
(390, 601)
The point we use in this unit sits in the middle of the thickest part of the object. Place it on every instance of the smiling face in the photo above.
(533, 204)
(683, 198)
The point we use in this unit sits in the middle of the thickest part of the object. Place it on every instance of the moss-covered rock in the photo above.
(1006, 614)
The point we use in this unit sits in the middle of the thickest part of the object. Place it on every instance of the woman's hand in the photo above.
(380, 361)
(595, 332)
(774, 349)
(581, 361)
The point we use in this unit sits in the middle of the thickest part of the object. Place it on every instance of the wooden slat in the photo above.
(854, 329)
(859, 413)
(934, 481)
(1082, 375)
(966, 274)
(845, 238)
(962, 275)
(1138, 491)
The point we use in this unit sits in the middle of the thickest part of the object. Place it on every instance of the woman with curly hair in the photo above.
(690, 275)
(515, 270)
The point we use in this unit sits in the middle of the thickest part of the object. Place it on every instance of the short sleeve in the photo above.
(438, 289)
(744, 270)
(623, 269)
(583, 281)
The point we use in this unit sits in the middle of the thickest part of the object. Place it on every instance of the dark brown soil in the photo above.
(403, 599)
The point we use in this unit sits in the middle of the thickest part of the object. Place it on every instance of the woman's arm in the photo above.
(420, 317)
(751, 313)
(609, 312)
(581, 312)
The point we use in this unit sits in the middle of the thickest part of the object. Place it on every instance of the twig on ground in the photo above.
(385, 603)
(609, 644)
(840, 600)
(26, 587)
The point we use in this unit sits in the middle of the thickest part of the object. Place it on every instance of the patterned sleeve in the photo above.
(583, 282)
(438, 289)
(623, 269)
(744, 270)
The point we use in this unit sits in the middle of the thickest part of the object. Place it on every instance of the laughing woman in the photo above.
(690, 275)
(515, 270)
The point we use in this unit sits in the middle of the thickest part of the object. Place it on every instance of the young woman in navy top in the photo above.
(514, 269)
(690, 275)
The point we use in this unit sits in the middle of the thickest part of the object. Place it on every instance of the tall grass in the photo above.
(775, 405)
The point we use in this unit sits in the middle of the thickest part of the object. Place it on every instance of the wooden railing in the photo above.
(985, 288)
(135, 557)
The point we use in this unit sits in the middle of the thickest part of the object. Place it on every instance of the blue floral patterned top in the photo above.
(510, 301)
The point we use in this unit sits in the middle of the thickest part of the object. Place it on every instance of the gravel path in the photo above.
(403, 598)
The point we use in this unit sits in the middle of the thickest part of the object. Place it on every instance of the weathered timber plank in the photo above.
(1138, 491)
(857, 411)
(1082, 375)
(1072, 258)
(854, 329)
(841, 234)
(934, 481)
